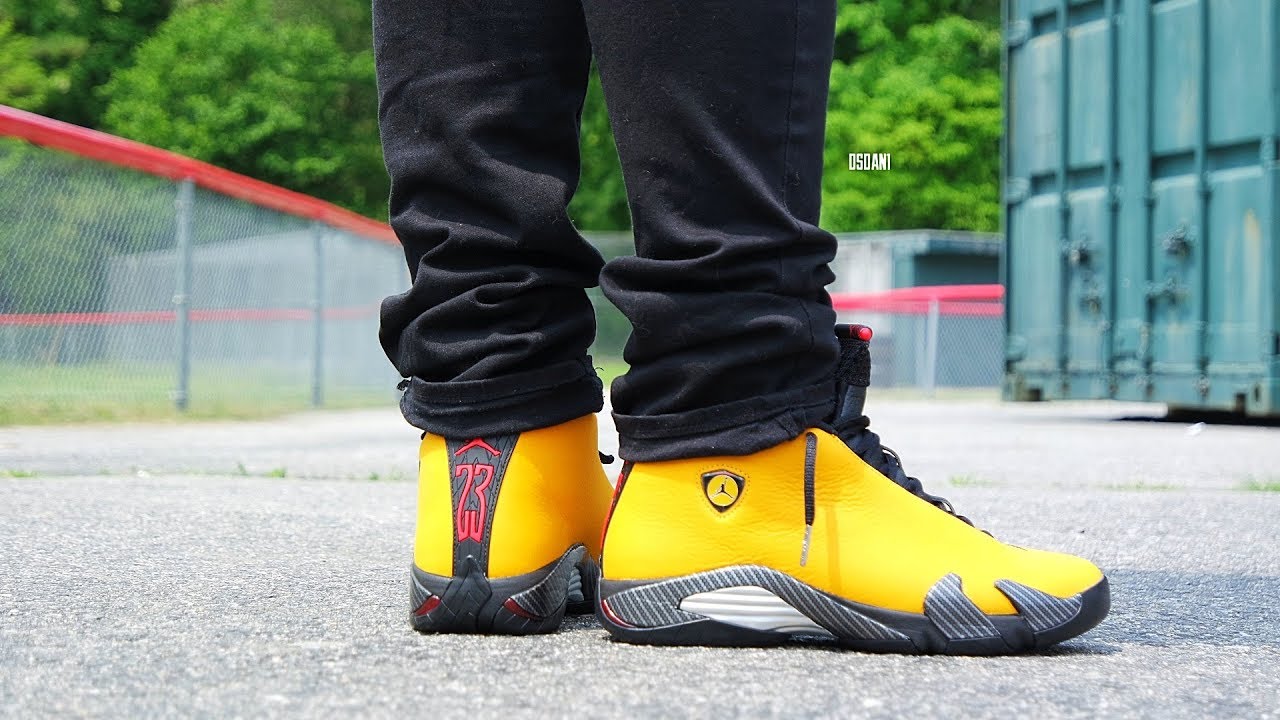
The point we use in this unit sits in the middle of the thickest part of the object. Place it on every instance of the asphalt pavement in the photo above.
(260, 570)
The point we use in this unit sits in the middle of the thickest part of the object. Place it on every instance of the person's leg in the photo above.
(479, 110)
(742, 517)
(479, 107)
(719, 110)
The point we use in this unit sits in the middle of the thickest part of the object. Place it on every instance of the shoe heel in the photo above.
(526, 604)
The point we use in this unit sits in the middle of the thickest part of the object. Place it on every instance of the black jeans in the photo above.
(718, 107)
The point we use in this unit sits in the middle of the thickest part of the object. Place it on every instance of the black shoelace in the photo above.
(866, 444)
(853, 375)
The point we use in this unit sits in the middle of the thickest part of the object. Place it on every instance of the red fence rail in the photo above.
(972, 300)
(99, 146)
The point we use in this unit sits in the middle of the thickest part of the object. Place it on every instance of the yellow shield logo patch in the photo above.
(722, 488)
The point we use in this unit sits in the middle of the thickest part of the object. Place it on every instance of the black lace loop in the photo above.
(858, 436)
(853, 377)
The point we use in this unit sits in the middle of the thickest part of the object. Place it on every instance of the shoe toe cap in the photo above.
(1054, 573)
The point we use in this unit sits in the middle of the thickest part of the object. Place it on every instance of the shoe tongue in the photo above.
(853, 372)
(853, 375)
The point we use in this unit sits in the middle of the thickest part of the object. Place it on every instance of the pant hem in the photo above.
(504, 405)
(737, 428)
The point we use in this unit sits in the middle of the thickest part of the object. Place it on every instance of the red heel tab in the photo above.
(617, 492)
(854, 332)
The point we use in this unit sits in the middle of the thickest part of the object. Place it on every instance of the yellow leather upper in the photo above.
(554, 494)
(873, 542)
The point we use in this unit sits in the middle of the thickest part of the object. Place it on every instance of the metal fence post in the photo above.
(931, 348)
(182, 292)
(920, 333)
(317, 306)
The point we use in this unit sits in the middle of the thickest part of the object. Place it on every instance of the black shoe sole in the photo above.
(650, 613)
(526, 604)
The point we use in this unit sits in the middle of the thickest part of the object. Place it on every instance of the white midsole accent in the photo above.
(751, 607)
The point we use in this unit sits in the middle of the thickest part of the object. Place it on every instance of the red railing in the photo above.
(118, 151)
(973, 300)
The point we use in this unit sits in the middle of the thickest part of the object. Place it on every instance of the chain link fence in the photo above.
(124, 294)
(925, 342)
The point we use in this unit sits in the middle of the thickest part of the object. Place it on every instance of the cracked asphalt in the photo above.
(259, 569)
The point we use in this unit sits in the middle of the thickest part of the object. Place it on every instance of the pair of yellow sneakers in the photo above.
(803, 540)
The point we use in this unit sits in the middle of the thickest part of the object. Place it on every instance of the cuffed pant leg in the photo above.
(479, 105)
(719, 110)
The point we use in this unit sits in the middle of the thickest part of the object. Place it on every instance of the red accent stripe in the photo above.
(159, 317)
(514, 607)
(609, 613)
(973, 300)
(427, 606)
(118, 151)
(613, 504)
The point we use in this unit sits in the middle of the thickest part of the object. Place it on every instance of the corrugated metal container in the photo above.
(1141, 201)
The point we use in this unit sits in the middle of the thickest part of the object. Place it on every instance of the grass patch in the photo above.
(1252, 484)
(18, 474)
(971, 481)
(32, 394)
(1141, 486)
(120, 392)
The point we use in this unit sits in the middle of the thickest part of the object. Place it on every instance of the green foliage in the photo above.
(601, 200)
(350, 20)
(279, 101)
(79, 43)
(283, 90)
(928, 92)
(23, 83)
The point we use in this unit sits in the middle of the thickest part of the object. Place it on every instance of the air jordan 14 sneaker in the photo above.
(824, 538)
(508, 530)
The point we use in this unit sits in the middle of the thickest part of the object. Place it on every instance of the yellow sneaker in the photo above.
(807, 540)
(508, 530)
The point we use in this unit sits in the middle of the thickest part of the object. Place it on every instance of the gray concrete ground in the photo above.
(259, 569)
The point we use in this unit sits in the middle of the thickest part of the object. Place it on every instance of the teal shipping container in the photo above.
(1141, 204)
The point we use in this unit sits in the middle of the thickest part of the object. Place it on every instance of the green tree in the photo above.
(23, 83)
(350, 20)
(283, 102)
(601, 200)
(927, 90)
(79, 44)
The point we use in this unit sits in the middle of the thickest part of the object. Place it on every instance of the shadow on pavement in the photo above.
(1208, 417)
